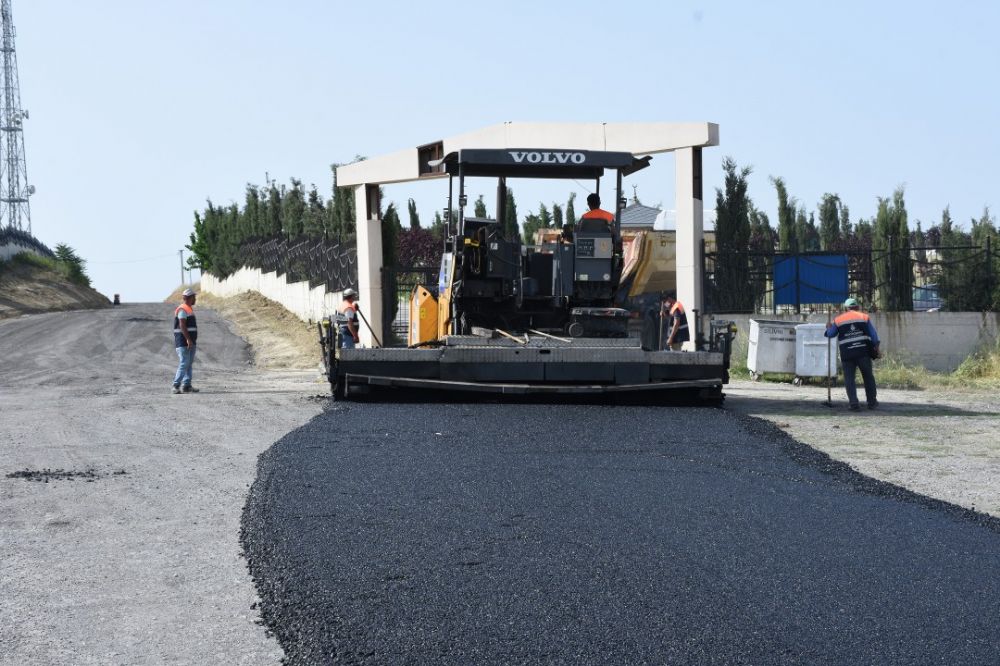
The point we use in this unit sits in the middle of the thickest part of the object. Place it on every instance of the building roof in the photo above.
(637, 216)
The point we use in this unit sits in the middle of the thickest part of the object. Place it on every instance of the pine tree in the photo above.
(571, 210)
(71, 265)
(557, 216)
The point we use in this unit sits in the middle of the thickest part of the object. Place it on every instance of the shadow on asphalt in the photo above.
(773, 406)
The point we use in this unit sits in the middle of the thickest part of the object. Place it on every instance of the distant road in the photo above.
(499, 534)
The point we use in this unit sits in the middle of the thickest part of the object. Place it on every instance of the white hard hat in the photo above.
(188, 292)
(350, 292)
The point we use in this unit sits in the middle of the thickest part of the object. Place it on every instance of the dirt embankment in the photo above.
(26, 289)
(278, 339)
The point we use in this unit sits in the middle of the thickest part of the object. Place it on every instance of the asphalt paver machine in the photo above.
(515, 317)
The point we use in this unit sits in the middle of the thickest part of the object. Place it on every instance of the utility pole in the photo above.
(15, 213)
(181, 253)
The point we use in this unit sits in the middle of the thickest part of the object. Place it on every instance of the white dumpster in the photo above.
(815, 354)
(771, 348)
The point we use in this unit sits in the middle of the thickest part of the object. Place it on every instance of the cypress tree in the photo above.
(891, 244)
(732, 237)
(787, 242)
(293, 210)
(411, 208)
(829, 221)
(315, 215)
(480, 207)
(511, 229)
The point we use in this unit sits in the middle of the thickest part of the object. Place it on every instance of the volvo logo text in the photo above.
(546, 157)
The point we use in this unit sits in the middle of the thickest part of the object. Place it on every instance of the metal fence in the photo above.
(319, 261)
(940, 277)
(398, 283)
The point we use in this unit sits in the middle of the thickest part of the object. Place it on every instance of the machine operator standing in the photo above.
(859, 344)
(347, 320)
(673, 311)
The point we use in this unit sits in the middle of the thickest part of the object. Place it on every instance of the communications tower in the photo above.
(15, 213)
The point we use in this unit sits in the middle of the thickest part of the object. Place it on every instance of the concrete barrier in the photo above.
(10, 248)
(938, 341)
(310, 304)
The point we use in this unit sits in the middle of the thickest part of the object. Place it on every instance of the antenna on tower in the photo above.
(15, 212)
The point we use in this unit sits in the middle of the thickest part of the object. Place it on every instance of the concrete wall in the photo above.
(307, 303)
(11, 248)
(939, 341)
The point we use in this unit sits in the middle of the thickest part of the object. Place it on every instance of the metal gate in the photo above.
(398, 283)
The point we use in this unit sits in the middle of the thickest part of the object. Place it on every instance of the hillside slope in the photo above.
(28, 289)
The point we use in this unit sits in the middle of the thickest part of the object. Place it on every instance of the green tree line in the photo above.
(964, 264)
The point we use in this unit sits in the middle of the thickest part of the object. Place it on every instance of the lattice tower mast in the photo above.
(15, 211)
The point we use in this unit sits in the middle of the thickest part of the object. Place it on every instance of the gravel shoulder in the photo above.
(121, 502)
(943, 444)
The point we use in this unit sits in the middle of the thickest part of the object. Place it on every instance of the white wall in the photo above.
(11, 248)
(939, 341)
(309, 304)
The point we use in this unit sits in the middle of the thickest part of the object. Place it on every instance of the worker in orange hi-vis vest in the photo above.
(347, 320)
(859, 344)
(673, 311)
(185, 341)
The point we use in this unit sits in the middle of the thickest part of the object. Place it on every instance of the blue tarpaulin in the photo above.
(813, 278)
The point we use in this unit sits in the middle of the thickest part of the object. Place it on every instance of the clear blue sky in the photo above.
(140, 110)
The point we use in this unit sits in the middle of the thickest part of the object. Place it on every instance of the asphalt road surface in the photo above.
(465, 534)
(120, 502)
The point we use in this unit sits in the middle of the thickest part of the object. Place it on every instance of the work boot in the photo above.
(855, 408)
(189, 389)
(873, 404)
(176, 390)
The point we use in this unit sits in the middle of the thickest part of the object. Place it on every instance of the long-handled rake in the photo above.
(829, 362)
(374, 337)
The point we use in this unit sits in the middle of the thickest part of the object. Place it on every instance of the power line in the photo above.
(131, 261)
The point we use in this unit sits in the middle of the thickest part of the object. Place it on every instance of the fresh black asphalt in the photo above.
(517, 534)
